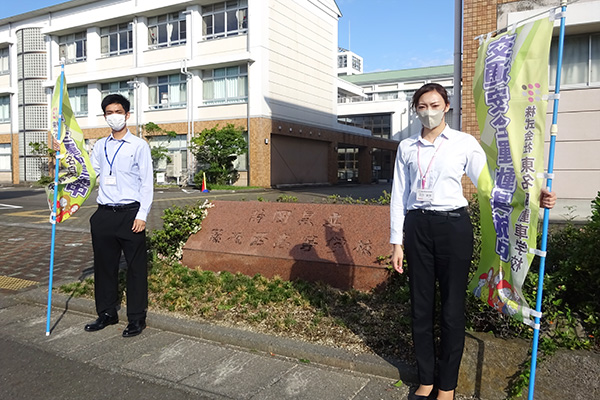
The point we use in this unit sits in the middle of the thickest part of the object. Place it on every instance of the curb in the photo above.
(252, 341)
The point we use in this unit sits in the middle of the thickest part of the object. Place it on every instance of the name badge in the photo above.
(424, 195)
(110, 180)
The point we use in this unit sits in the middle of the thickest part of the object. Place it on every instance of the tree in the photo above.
(159, 152)
(216, 149)
(42, 149)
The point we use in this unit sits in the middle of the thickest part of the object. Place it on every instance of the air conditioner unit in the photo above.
(174, 168)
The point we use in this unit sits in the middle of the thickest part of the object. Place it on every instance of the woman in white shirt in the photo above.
(428, 206)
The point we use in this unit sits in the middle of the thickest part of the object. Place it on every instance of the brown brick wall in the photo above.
(479, 17)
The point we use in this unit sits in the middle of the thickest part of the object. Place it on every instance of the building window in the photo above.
(5, 157)
(581, 60)
(121, 87)
(166, 30)
(379, 124)
(387, 96)
(73, 47)
(79, 100)
(116, 39)
(226, 85)
(342, 61)
(167, 91)
(4, 61)
(228, 18)
(356, 64)
(4, 108)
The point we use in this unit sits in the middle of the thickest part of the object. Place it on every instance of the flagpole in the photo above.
(544, 242)
(53, 216)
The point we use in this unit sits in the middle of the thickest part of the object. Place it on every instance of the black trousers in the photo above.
(438, 247)
(111, 234)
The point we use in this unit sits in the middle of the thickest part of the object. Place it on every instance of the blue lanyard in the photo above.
(110, 163)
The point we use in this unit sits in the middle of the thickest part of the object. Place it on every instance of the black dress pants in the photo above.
(438, 247)
(111, 234)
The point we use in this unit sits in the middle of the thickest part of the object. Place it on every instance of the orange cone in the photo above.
(204, 189)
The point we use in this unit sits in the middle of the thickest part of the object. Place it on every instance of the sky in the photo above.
(388, 34)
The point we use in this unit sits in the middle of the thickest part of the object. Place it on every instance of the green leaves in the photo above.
(216, 150)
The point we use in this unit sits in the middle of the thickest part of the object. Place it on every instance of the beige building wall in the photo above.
(302, 71)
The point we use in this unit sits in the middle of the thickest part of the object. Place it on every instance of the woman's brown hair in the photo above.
(429, 87)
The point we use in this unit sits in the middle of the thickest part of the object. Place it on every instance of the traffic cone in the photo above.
(204, 189)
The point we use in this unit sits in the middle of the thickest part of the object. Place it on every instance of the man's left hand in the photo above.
(138, 226)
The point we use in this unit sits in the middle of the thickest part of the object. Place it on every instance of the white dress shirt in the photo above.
(132, 169)
(443, 162)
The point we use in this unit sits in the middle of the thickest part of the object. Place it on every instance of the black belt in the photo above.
(449, 214)
(120, 207)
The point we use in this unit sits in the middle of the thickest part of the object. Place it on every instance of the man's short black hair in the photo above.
(115, 99)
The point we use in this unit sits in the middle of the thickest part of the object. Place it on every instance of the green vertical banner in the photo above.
(510, 90)
(77, 178)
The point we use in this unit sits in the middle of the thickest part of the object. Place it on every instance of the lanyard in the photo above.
(424, 175)
(110, 163)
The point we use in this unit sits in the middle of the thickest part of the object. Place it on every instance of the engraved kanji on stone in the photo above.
(308, 243)
(281, 216)
(336, 242)
(257, 216)
(236, 237)
(306, 218)
(258, 239)
(334, 220)
(282, 241)
(364, 247)
(216, 235)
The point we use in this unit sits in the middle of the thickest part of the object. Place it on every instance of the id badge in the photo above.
(425, 195)
(110, 180)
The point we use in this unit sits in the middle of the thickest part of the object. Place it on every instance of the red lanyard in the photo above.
(424, 175)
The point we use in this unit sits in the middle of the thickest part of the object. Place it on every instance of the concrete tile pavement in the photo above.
(215, 369)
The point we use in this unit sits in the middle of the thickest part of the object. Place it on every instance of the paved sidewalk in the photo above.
(170, 352)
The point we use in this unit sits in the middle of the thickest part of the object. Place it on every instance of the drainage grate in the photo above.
(6, 282)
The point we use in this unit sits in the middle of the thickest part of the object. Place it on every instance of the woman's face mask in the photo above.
(430, 119)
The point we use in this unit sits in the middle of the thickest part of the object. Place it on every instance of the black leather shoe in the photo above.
(413, 396)
(102, 322)
(134, 328)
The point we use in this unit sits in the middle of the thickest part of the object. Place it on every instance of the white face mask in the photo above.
(116, 122)
(431, 119)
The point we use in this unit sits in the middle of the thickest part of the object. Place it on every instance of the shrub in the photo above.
(179, 223)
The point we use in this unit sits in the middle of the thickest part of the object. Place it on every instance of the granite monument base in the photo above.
(340, 245)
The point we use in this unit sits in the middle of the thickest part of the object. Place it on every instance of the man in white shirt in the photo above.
(123, 164)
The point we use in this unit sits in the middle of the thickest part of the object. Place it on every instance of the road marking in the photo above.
(8, 206)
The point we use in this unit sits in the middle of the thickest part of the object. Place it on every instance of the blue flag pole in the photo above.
(544, 242)
(53, 216)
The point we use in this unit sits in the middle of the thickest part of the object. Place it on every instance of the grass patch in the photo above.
(363, 322)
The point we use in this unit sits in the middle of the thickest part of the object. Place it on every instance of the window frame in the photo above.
(129, 93)
(226, 9)
(73, 94)
(155, 83)
(6, 104)
(4, 60)
(209, 79)
(79, 40)
(119, 29)
(7, 156)
(591, 67)
(168, 23)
